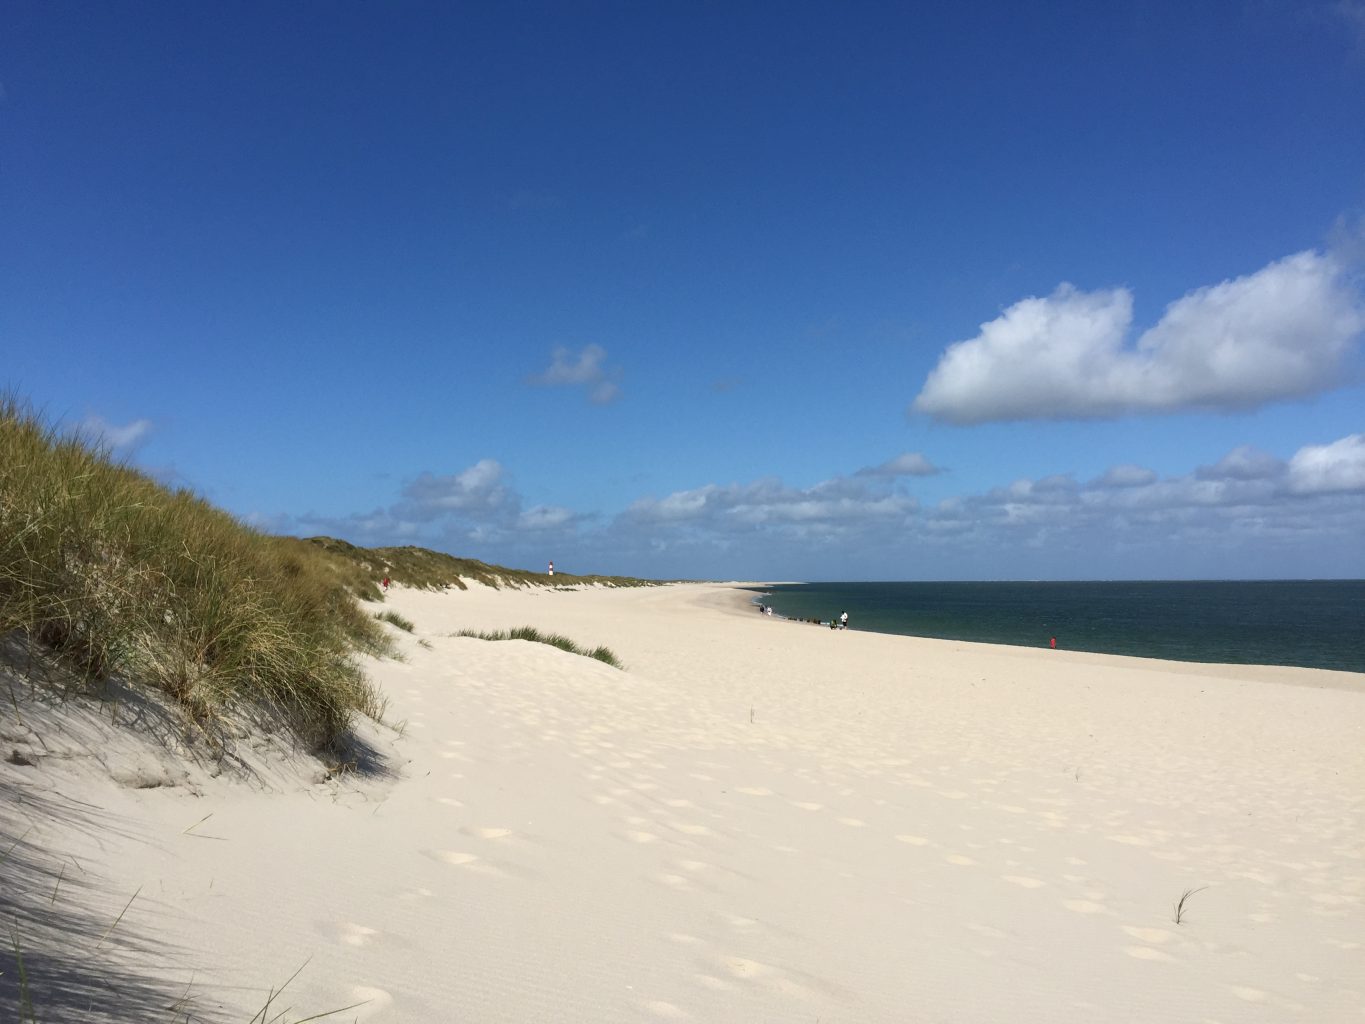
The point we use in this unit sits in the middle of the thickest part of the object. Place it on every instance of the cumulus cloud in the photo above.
(836, 505)
(1248, 513)
(1282, 332)
(1242, 463)
(119, 438)
(1232, 518)
(480, 492)
(544, 517)
(587, 369)
(1126, 475)
(1329, 468)
(908, 464)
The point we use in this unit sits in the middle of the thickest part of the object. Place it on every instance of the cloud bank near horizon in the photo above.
(1248, 501)
(1283, 332)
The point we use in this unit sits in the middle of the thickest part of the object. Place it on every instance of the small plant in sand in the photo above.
(394, 619)
(1184, 898)
(602, 654)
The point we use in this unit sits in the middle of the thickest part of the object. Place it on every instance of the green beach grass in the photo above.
(118, 575)
(362, 570)
(603, 654)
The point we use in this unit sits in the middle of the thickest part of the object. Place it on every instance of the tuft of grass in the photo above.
(1179, 906)
(602, 654)
(118, 575)
(393, 618)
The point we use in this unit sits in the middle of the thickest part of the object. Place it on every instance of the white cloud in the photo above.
(1126, 475)
(479, 492)
(908, 464)
(587, 369)
(544, 517)
(843, 503)
(1328, 468)
(118, 438)
(1242, 463)
(1248, 514)
(1283, 332)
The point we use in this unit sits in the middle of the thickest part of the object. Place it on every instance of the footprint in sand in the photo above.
(853, 822)
(913, 840)
(1024, 881)
(754, 791)
(356, 934)
(468, 861)
(1085, 907)
(665, 1010)
(713, 983)
(487, 833)
(959, 859)
(1129, 840)
(1145, 953)
(807, 805)
(741, 967)
(1155, 936)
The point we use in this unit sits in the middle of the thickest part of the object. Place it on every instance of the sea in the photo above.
(1313, 623)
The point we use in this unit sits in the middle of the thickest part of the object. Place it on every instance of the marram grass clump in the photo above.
(603, 654)
(394, 619)
(116, 574)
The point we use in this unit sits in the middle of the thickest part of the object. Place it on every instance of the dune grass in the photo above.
(117, 574)
(394, 619)
(603, 654)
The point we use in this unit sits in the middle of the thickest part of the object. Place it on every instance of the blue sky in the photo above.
(785, 291)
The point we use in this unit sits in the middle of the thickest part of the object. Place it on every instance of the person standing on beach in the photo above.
(843, 620)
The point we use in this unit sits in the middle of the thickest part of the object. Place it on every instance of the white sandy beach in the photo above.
(756, 820)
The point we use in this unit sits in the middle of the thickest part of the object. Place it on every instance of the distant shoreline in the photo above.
(1311, 624)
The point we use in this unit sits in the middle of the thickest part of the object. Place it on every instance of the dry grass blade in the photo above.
(333, 1013)
(1180, 905)
(108, 931)
(263, 1013)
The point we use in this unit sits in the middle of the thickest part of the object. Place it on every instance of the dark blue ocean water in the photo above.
(1319, 624)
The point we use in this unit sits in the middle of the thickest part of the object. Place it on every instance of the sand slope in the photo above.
(756, 821)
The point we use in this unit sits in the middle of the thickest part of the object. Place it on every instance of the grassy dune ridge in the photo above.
(116, 574)
(362, 570)
(119, 575)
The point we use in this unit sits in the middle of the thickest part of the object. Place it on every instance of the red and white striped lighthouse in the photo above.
(552, 568)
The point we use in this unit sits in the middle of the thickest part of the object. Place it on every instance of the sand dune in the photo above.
(756, 821)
